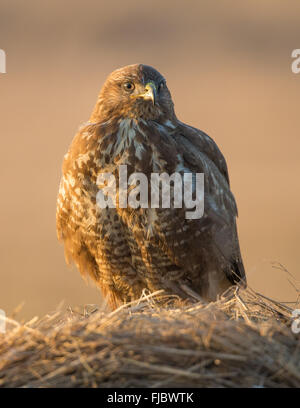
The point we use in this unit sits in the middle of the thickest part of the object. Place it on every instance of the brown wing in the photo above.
(201, 154)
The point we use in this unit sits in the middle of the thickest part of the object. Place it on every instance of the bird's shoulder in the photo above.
(200, 140)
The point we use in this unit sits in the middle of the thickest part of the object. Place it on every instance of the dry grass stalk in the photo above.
(242, 340)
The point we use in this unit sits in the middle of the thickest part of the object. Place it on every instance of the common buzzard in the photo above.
(127, 250)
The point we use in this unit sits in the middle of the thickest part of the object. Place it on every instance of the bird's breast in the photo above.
(143, 145)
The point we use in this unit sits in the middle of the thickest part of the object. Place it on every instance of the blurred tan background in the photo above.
(228, 66)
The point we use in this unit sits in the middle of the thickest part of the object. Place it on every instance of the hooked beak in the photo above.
(150, 92)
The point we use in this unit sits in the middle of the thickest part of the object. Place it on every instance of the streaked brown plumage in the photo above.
(127, 250)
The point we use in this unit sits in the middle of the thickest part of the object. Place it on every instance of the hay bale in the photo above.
(241, 340)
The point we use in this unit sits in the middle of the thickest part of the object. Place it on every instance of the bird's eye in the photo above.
(160, 86)
(128, 86)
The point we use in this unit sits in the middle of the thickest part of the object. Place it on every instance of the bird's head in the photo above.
(135, 91)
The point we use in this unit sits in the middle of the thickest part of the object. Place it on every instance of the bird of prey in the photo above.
(128, 250)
